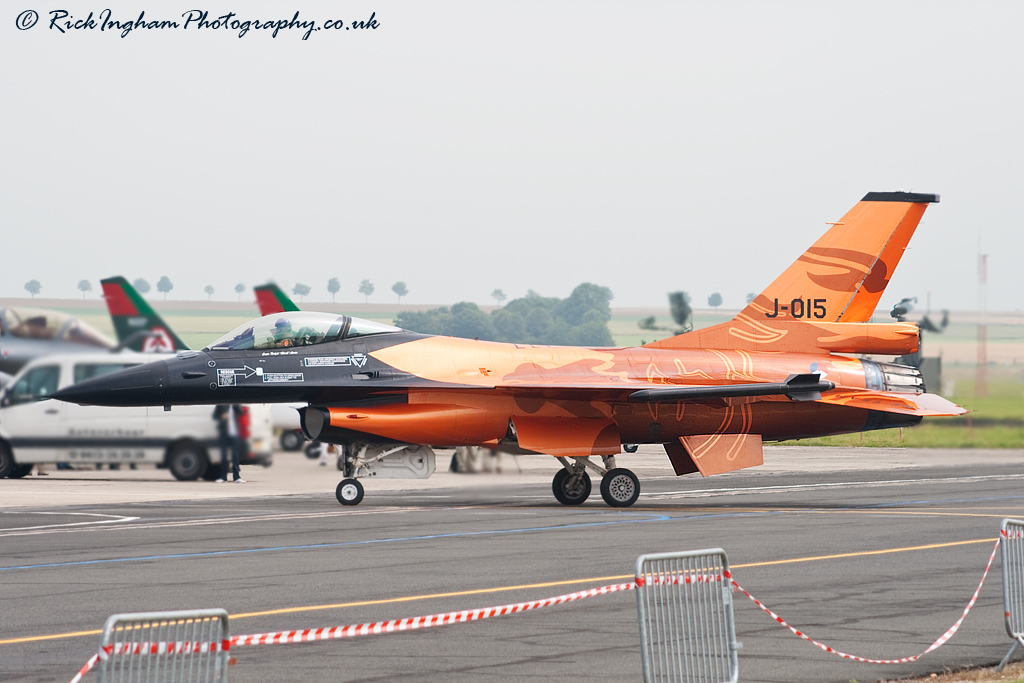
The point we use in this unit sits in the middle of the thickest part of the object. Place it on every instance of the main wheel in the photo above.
(349, 492)
(630, 447)
(7, 463)
(187, 461)
(571, 489)
(291, 440)
(313, 450)
(620, 488)
(20, 471)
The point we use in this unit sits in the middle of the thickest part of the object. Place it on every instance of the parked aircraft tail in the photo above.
(137, 325)
(825, 299)
(271, 299)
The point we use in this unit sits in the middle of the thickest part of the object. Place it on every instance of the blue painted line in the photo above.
(318, 546)
(955, 500)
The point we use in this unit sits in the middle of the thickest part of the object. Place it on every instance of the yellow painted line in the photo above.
(502, 589)
(920, 513)
(55, 636)
(864, 553)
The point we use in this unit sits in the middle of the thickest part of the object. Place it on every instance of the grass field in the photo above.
(995, 421)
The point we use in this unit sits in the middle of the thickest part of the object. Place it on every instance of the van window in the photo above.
(84, 371)
(37, 384)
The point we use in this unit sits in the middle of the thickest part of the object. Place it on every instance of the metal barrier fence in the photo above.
(1011, 533)
(685, 607)
(191, 645)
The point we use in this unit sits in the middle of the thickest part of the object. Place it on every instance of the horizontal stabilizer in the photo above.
(797, 387)
(924, 405)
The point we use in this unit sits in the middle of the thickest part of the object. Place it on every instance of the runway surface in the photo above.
(875, 562)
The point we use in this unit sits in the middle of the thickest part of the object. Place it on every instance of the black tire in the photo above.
(349, 492)
(571, 493)
(291, 440)
(7, 463)
(212, 472)
(187, 461)
(630, 447)
(620, 488)
(313, 450)
(20, 471)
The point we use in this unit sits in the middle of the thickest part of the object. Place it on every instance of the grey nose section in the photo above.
(140, 386)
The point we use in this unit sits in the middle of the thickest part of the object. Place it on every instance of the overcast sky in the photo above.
(463, 147)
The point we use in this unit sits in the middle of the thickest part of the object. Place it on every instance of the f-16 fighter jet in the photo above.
(780, 369)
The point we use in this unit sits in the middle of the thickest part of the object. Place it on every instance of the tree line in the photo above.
(581, 319)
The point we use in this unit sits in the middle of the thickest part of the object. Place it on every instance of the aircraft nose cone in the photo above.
(138, 386)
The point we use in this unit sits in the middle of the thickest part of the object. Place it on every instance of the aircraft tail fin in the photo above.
(841, 277)
(825, 299)
(271, 299)
(137, 325)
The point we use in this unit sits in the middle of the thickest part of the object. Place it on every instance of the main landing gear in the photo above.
(619, 487)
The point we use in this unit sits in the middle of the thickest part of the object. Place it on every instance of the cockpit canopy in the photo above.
(297, 328)
(34, 323)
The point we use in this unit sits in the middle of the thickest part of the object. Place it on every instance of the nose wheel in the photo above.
(349, 492)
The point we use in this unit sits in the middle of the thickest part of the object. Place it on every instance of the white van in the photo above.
(35, 429)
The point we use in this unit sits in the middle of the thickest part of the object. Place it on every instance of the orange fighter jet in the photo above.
(781, 369)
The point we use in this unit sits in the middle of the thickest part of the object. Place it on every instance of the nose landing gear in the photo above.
(620, 488)
(349, 492)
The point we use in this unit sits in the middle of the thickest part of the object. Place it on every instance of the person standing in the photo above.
(226, 417)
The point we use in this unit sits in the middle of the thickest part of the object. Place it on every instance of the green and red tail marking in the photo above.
(137, 325)
(271, 299)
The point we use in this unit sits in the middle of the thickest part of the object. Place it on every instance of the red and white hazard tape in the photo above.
(370, 628)
(156, 648)
(938, 643)
(415, 623)
(448, 618)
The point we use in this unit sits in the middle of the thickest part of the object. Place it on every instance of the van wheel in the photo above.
(7, 463)
(187, 461)
(291, 440)
(20, 471)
